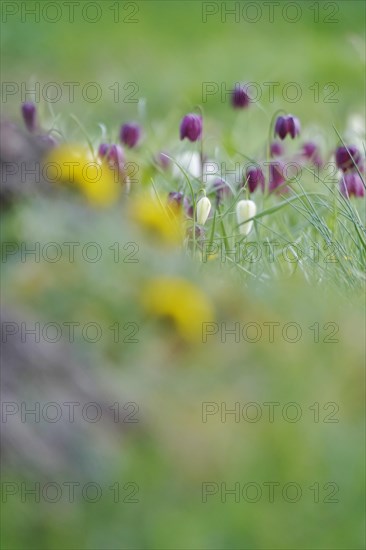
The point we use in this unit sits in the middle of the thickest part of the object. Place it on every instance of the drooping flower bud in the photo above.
(276, 176)
(175, 198)
(115, 157)
(203, 208)
(348, 157)
(276, 149)
(245, 210)
(311, 151)
(189, 209)
(255, 177)
(351, 184)
(176, 201)
(113, 154)
(103, 150)
(29, 112)
(130, 134)
(191, 127)
(240, 98)
(287, 125)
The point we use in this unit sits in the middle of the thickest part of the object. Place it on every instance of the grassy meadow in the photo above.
(193, 385)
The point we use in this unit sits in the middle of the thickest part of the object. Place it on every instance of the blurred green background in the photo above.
(169, 53)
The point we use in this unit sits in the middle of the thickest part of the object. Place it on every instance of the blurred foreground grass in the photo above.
(171, 451)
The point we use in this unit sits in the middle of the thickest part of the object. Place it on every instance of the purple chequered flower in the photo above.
(191, 127)
(287, 125)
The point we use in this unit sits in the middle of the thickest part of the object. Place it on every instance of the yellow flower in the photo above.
(181, 302)
(75, 166)
(158, 220)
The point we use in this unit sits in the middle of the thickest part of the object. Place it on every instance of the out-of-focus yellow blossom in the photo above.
(74, 165)
(180, 301)
(165, 223)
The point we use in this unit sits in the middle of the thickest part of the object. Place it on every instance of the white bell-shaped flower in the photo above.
(245, 210)
(203, 208)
